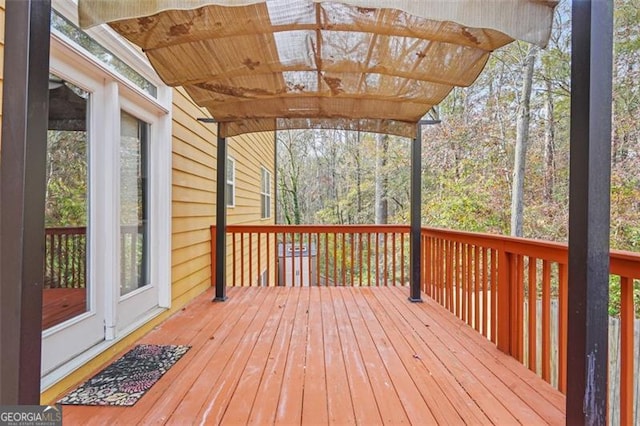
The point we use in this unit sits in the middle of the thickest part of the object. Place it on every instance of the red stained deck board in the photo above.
(331, 355)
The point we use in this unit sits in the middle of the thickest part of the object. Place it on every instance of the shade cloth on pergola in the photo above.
(368, 65)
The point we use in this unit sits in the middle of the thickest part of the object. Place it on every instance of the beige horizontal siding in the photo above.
(194, 194)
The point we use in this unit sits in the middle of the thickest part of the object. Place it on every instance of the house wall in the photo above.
(193, 209)
(253, 152)
(194, 194)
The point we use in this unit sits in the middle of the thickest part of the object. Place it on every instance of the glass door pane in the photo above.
(134, 236)
(66, 208)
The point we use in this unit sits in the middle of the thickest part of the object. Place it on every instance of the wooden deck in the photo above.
(339, 355)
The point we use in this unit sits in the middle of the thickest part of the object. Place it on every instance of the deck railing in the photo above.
(302, 255)
(65, 262)
(514, 291)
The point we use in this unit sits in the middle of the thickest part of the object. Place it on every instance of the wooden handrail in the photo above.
(316, 254)
(508, 279)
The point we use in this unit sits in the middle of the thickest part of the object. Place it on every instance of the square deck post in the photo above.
(22, 197)
(415, 237)
(221, 219)
(589, 200)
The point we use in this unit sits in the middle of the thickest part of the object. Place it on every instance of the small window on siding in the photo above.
(231, 182)
(265, 193)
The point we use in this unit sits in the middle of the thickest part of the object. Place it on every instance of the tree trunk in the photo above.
(549, 145)
(381, 199)
(522, 140)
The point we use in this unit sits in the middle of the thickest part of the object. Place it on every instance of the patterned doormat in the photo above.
(124, 381)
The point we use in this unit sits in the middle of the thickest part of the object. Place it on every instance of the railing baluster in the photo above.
(369, 259)
(463, 295)
(335, 259)
(442, 272)
(439, 270)
(326, 259)
(449, 279)
(470, 250)
(268, 268)
(433, 259)
(518, 308)
(377, 259)
(503, 314)
(318, 259)
(285, 261)
(533, 293)
(242, 265)
(476, 288)
(402, 258)
(277, 239)
(344, 268)
(494, 296)
(309, 260)
(485, 290)
(458, 289)
(395, 254)
(360, 264)
(59, 259)
(250, 268)
(300, 253)
(546, 321)
(258, 271)
(133, 254)
(627, 319)
(426, 265)
(562, 325)
(385, 276)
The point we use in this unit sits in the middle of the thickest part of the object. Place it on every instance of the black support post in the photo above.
(589, 200)
(221, 220)
(274, 184)
(416, 219)
(22, 198)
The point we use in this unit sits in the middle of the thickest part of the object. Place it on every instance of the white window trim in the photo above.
(109, 39)
(264, 170)
(231, 165)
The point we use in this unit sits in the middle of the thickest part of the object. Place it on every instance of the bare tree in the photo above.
(522, 140)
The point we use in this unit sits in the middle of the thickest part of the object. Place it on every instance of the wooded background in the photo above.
(515, 117)
(498, 162)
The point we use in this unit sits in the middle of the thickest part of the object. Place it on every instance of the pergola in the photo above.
(367, 65)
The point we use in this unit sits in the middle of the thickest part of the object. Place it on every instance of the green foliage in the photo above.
(67, 179)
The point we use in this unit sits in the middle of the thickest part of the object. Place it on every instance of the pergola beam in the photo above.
(589, 216)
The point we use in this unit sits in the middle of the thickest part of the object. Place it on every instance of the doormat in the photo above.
(124, 381)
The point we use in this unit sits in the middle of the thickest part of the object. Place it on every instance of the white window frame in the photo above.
(231, 167)
(265, 193)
